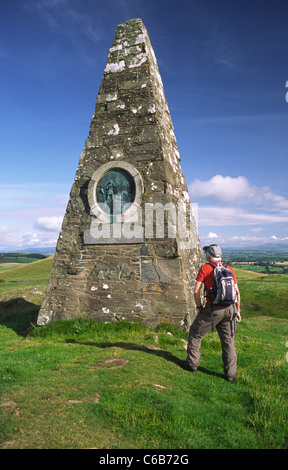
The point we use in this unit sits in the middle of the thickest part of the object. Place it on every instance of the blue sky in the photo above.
(224, 65)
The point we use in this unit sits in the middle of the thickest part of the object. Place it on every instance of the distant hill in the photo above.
(276, 249)
(50, 250)
(32, 271)
(243, 274)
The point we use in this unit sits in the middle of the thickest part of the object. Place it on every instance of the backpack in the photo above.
(223, 290)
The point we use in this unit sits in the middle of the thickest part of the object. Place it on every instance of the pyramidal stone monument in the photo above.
(129, 246)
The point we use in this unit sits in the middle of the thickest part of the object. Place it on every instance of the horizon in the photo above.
(52, 250)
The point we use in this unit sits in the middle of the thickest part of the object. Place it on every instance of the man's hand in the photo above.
(197, 295)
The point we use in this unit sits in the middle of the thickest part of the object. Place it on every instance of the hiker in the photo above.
(222, 316)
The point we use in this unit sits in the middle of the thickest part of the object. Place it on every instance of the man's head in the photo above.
(213, 252)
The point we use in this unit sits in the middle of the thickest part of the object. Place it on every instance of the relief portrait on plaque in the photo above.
(116, 191)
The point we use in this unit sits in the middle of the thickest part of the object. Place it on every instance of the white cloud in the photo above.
(247, 240)
(8, 237)
(11, 239)
(226, 215)
(30, 240)
(226, 189)
(228, 201)
(31, 215)
(49, 223)
(281, 239)
(244, 239)
(212, 235)
(220, 188)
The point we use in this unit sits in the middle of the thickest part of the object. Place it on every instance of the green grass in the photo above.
(263, 294)
(32, 271)
(17, 259)
(247, 268)
(82, 384)
(6, 266)
(273, 269)
(77, 384)
(246, 274)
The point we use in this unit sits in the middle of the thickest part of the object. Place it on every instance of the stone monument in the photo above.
(129, 246)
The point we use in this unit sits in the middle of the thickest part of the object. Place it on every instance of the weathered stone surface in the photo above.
(149, 278)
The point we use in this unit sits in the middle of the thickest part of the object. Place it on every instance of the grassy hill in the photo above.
(25, 284)
(263, 294)
(33, 271)
(82, 384)
(242, 274)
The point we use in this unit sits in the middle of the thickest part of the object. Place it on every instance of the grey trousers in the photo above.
(223, 321)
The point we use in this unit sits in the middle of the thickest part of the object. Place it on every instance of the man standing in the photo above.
(222, 318)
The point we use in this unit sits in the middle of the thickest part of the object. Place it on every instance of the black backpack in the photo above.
(223, 291)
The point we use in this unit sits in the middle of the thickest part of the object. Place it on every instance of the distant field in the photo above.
(19, 258)
(242, 273)
(266, 256)
(5, 266)
(39, 269)
(263, 294)
(249, 267)
(27, 281)
(273, 269)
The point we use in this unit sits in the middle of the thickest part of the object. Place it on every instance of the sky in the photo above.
(224, 66)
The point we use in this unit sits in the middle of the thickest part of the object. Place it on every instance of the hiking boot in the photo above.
(186, 366)
(231, 379)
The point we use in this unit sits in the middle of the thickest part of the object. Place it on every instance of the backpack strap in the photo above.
(211, 304)
(214, 265)
(234, 319)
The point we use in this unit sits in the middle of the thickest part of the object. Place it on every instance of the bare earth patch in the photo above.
(110, 363)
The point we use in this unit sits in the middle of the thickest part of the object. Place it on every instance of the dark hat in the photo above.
(213, 250)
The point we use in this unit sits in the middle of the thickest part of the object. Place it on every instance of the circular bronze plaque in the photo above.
(116, 191)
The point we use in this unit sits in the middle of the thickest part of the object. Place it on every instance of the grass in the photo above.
(81, 384)
(11, 259)
(246, 274)
(6, 266)
(264, 294)
(32, 271)
(272, 269)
